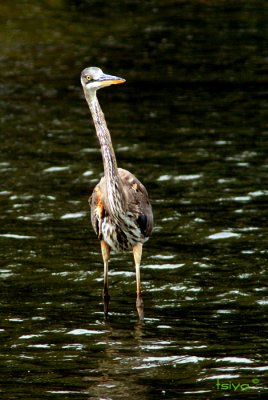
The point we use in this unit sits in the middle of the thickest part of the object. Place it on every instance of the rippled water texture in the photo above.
(191, 123)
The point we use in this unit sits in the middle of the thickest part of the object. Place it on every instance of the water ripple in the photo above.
(16, 236)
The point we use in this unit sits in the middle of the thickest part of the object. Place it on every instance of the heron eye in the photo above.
(88, 78)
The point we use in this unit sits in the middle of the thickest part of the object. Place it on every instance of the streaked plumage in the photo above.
(121, 213)
(122, 232)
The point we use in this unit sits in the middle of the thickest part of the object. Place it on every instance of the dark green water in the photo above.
(191, 123)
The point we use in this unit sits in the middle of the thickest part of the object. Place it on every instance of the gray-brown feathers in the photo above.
(133, 224)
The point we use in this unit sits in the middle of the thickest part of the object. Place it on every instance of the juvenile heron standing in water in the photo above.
(121, 214)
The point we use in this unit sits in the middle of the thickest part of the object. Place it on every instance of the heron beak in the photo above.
(107, 80)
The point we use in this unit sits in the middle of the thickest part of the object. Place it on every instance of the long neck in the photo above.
(114, 190)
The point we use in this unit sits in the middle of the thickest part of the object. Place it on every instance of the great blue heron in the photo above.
(121, 214)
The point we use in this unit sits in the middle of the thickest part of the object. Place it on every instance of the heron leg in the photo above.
(105, 250)
(137, 252)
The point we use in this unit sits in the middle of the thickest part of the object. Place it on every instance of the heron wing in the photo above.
(138, 203)
(97, 209)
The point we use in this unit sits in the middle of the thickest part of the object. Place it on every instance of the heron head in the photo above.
(93, 78)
